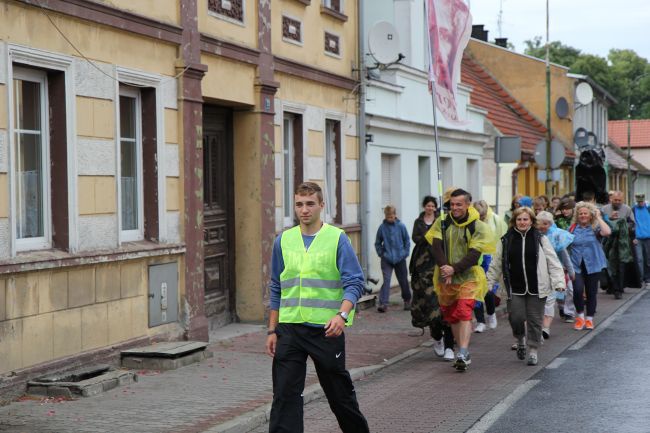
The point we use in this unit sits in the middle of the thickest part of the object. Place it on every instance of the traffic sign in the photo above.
(557, 154)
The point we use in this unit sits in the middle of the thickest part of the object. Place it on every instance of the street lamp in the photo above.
(634, 82)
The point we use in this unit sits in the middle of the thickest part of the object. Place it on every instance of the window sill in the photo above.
(48, 259)
(333, 13)
(305, 2)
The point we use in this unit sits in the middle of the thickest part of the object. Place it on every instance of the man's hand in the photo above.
(334, 327)
(634, 241)
(271, 342)
(446, 271)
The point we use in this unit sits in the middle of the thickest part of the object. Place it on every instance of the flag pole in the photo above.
(435, 129)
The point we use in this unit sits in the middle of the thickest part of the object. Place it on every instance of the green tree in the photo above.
(624, 74)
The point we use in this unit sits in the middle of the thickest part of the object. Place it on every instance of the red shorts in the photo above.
(460, 311)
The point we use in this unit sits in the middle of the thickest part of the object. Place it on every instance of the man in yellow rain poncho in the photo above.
(458, 279)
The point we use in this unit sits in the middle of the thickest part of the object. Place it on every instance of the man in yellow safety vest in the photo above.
(316, 281)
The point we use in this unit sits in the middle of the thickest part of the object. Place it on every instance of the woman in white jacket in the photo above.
(527, 266)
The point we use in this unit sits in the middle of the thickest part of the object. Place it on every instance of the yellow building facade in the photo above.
(159, 141)
(525, 78)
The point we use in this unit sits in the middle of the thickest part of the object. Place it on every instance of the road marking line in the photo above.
(618, 313)
(556, 363)
(486, 421)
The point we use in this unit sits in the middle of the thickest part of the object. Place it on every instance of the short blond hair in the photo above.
(519, 211)
(390, 209)
(592, 210)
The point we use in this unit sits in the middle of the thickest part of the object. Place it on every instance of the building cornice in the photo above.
(301, 70)
(418, 128)
(111, 17)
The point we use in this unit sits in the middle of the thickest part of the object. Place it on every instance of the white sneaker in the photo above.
(491, 321)
(449, 355)
(480, 327)
(438, 347)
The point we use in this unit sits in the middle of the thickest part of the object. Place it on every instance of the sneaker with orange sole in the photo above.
(589, 324)
(580, 324)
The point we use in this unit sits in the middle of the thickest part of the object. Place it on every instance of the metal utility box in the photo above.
(163, 294)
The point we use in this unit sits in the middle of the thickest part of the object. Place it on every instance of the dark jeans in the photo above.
(617, 282)
(489, 306)
(642, 250)
(402, 277)
(525, 313)
(585, 283)
(295, 343)
(439, 329)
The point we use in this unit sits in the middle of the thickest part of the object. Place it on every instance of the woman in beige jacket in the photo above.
(527, 266)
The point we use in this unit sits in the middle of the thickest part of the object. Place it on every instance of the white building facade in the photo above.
(401, 164)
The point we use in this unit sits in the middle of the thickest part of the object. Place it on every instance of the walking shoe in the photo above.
(546, 333)
(407, 305)
(580, 324)
(382, 308)
(438, 347)
(532, 358)
(521, 351)
(618, 295)
(568, 319)
(589, 324)
(462, 362)
(480, 327)
(514, 346)
(491, 321)
(449, 355)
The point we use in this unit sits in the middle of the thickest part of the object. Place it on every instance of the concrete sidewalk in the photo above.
(231, 392)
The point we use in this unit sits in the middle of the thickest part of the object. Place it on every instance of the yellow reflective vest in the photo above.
(311, 288)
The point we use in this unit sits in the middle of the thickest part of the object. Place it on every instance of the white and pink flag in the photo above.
(450, 27)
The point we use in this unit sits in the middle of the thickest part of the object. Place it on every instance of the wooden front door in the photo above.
(218, 215)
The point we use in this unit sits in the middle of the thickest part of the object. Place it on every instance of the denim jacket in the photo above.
(587, 248)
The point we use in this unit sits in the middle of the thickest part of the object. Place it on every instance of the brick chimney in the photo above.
(502, 42)
(479, 33)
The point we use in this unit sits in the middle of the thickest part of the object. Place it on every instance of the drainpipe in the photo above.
(361, 132)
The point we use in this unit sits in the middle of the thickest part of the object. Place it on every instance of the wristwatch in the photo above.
(343, 315)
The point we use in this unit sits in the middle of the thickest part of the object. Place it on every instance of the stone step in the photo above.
(165, 356)
(81, 382)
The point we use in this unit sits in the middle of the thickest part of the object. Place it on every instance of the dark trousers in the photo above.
(525, 313)
(585, 284)
(402, 277)
(642, 250)
(295, 343)
(617, 282)
(439, 329)
(489, 306)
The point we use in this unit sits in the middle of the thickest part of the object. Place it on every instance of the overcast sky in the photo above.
(593, 26)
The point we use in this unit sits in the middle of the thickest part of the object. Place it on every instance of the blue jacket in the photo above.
(642, 219)
(392, 242)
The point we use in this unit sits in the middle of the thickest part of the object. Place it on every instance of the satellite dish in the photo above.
(561, 107)
(584, 93)
(581, 137)
(383, 42)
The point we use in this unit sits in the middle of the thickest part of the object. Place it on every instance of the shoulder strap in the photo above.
(572, 228)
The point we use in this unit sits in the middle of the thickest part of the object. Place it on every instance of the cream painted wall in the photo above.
(239, 76)
(163, 10)
(57, 313)
(213, 25)
(314, 24)
(26, 25)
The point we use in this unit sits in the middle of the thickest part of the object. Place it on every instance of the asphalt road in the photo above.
(601, 387)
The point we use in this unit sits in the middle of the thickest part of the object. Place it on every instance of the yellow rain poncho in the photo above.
(470, 284)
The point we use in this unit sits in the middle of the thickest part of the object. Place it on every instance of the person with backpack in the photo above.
(588, 259)
(458, 240)
(526, 263)
(642, 241)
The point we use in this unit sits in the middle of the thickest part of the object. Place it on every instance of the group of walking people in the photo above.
(541, 256)
(542, 253)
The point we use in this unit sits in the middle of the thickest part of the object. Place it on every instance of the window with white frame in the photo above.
(333, 205)
(336, 5)
(287, 175)
(31, 157)
(132, 213)
(390, 180)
